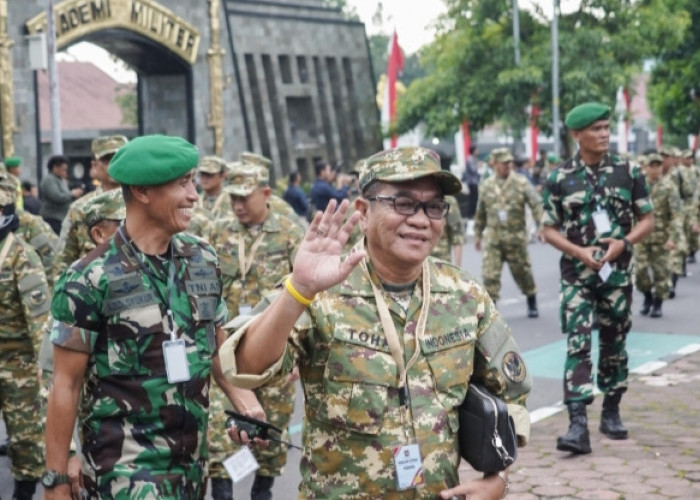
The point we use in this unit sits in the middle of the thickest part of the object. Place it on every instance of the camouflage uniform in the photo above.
(501, 219)
(350, 379)
(143, 437)
(569, 202)
(25, 296)
(278, 238)
(650, 254)
(684, 179)
(35, 231)
(452, 234)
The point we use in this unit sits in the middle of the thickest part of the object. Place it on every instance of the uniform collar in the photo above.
(271, 224)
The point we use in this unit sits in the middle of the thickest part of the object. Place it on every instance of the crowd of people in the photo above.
(183, 286)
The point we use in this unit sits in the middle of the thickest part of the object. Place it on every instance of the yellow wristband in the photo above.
(295, 293)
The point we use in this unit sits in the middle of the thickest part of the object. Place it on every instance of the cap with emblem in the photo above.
(407, 164)
(106, 206)
(501, 155)
(586, 114)
(106, 145)
(246, 178)
(153, 159)
(212, 165)
(248, 158)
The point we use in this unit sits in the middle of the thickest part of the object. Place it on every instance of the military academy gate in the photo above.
(289, 79)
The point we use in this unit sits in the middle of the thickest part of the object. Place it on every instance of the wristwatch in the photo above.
(628, 244)
(51, 479)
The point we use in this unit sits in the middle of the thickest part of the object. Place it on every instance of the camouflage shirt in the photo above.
(574, 191)
(143, 437)
(35, 231)
(500, 210)
(277, 240)
(452, 234)
(668, 220)
(218, 206)
(350, 380)
(24, 293)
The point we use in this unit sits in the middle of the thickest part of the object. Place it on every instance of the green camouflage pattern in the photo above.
(142, 436)
(506, 240)
(406, 164)
(107, 145)
(569, 205)
(273, 261)
(350, 380)
(611, 306)
(218, 206)
(106, 206)
(35, 231)
(246, 178)
(25, 296)
(452, 234)
(651, 259)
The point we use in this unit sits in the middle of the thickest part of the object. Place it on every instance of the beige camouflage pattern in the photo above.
(272, 262)
(405, 164)
(106, 206)
(35, 231)
(25, 299)
(452, 234)
(107, 145)
(352, 412)
(246, 178)
(212, 165)
(501, 221)
(685, 180)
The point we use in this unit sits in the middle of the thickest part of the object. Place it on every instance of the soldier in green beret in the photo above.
(13, 164)
(346, 322)
(139, 319)
(596, 208)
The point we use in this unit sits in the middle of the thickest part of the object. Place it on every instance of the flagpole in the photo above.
(555, 77)
(56, 135)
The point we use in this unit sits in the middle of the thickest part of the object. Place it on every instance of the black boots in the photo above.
(646, 306)
(577, 439)
(221, 488)
(691, 258)
(610, 423)
(262, 488)
(532, 311)
(672, 293)
(656, 308)
(24, 490)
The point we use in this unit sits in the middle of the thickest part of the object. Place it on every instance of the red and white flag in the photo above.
(394, 65)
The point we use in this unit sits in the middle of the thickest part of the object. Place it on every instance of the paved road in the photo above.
(651, 341)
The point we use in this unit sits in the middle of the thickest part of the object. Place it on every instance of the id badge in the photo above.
(241, 464)
(244, 309)
(503, 216)
(409, 466)
(176, 365)
(605, 272)
(602, 222)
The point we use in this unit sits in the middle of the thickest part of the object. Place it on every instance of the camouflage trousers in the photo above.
(518, 259)
(278, 402)
(580, 305)
(21, 408)
(678, 255)
(652, 272)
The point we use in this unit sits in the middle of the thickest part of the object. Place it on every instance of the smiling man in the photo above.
(387, 341)
(596, 207)
(139, 319)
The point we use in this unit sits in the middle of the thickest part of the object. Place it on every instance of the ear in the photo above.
(267, 191)
(362, 206)
(141, 194)
(96, 234)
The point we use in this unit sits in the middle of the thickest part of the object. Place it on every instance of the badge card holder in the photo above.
(503, 216)
(601, 222)
(176, 366)
(409, 466)
(241, 464)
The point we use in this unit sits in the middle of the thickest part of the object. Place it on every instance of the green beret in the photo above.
(552, 158)
(153, 159)
(585, 114)
(13, 161)
(406, 164)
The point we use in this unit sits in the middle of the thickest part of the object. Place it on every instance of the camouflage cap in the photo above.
(106, 206)
(501, 155)
(249, 158)
(106, 145)
(8, 188)
(653, 158)
(407, 164)
(212, 165)
(666, 151)
(688, 153)
(246, 178)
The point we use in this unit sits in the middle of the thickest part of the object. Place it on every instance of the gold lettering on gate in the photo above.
(77, 18)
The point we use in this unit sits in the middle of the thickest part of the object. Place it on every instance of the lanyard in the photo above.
(244, 264)
(151, 276)
(392, 337)
(595, 183)
(499, 190)
(6, 248)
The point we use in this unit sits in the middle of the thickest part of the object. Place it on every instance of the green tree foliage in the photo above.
(126, 100)
(378, 48)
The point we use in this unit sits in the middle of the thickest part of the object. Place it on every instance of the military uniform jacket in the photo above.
(574, 191)
(218, 206)
(668, 218)
(452, 234)
(138, 423)
(350, 380)
(36, 231)
(24, 295)
(500, 211)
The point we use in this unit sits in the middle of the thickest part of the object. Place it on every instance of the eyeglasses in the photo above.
(404, 205)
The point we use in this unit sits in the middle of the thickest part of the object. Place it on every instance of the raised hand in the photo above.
(318, 264)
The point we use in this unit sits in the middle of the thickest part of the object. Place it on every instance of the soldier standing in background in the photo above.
(25, 299)
(212, 174)
(256, 249)
(596, 208)
(452, 237)
(652, 254)
(501, 220)
(693, 178)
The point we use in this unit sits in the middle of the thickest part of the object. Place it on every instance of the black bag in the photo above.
(487, 437)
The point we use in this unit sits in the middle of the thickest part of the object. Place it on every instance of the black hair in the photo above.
(126, 193)
(293, 176)
(472, 148)
(56, 161)
(27, 185)
(319, 167)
